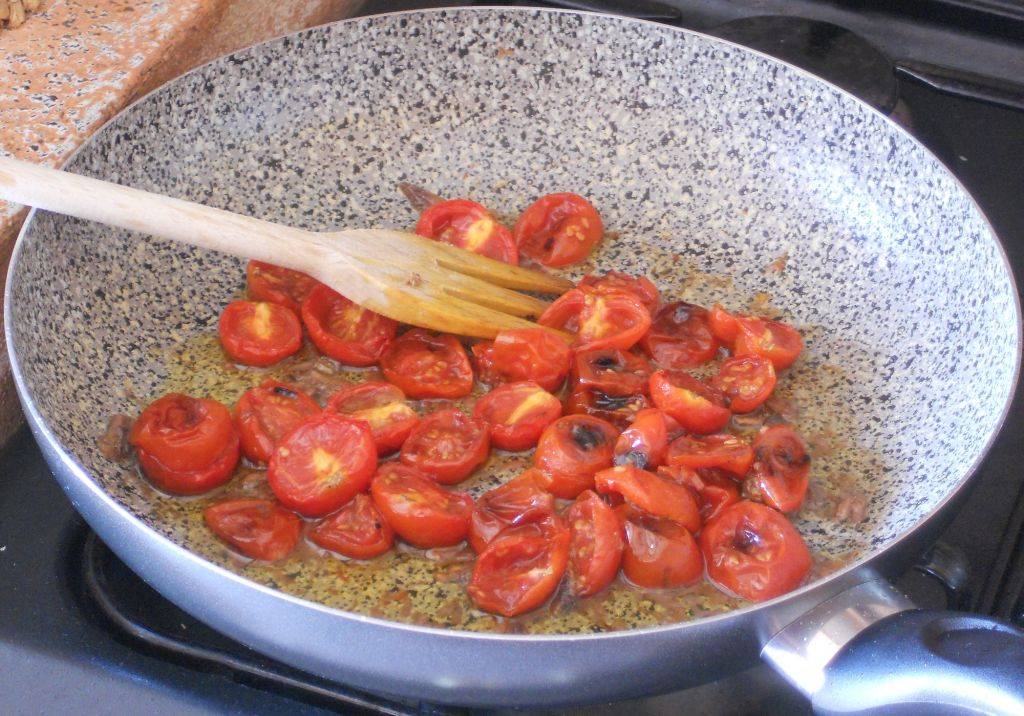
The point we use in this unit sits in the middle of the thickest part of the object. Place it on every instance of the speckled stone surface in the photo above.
(707, 162)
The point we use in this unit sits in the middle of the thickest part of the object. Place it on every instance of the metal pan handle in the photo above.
(868, 649)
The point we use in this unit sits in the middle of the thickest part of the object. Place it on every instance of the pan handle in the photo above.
(869, 649)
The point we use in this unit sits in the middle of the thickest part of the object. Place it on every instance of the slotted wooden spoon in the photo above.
(401, 275)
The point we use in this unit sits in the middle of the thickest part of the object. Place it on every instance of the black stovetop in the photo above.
(79, 632)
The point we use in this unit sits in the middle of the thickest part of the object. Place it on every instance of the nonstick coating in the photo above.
(708, 163)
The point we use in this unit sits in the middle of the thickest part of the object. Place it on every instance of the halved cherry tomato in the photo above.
(470, 226)
(697, 406)
(723, 325)
(266, 414)
(776, 341)
(185, 445)
(746, 380)
(723, 450)
(644, 443)
(279, 285)
(651, 494)
(680, 336)
(714, 488)
(754, 552)
(599, 319)
(447, 445)
(781, 468)
(346, 331)
(524, 354)
(418, 510)
(260, 529)
(619, 410)
(428, 365)
(259, 334)
(383, 407)
(616, 281)
(520, 568)
(595, 548)
(659, 554)
(558, 229)
(570, 451)
(518, 501)
(517, 414)
(322, 464)
(357, 530)
(611, 371)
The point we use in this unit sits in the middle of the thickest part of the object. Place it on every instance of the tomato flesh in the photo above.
(357, 530)
(595, 546)
(600, 319)
(680, 337)
(260, 529)
(754, 552)
(186, 445)
(619, 410)
(524, 354)
(267, 413)
(518, 501)
(644, 443)
(517, 414)
(618, 282)
(782, 467)
(723, 324)
(558, 229)
(428, 365)
(570, 451)
(521, 568)
(659, 554)
(714, 488)
(447, 445)
(322, 464)
(612, 372)
(747, 381)
(344, 330)
(696, 406)
(470, 226)
(418, 510)
(259, 333)
(382, 406)
(277, 284)
(776, 341)
(723, 450)
(651, 494)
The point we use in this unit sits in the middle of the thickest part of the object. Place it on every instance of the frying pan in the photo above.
(709, 163)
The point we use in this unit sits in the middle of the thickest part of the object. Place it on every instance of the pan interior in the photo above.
(708, 163)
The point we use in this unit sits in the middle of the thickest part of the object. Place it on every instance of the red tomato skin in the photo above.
(245, 346)
(519, 501)
(644, 443)
(600, 319)
(723, 324)
(458, 461)
(650, 494)
(659, 554)
(570, 451)
(433, 517)
(524, 354)
(781, 469)
(721, 450)
(615, 281)
(357, 530)
(619, 410)
(344, 330)
(754, 552)
(612, 372)
(323, 442)
(418, 351)
(697, 407)
(468, 225)
(746, 380)
(376, 401)
(715, 490)
(260, 529)
(185, 445)
(776, 341)
(499, 406)
(568, 222)
(680, 337)
(267, 413)
(595, 546)
(521, 568)
(277, 284)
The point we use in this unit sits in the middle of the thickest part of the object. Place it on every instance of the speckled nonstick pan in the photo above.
(709, 162)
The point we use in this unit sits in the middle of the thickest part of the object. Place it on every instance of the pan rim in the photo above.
(41, 430)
